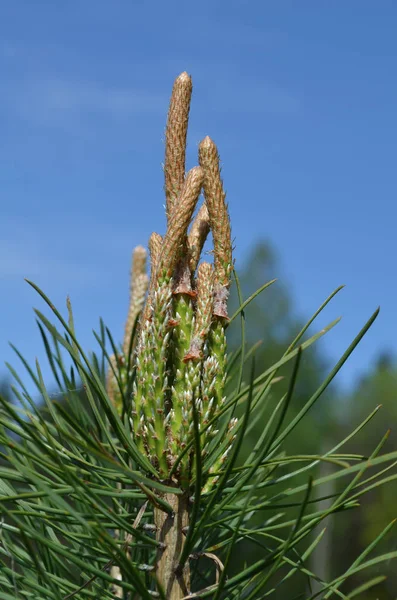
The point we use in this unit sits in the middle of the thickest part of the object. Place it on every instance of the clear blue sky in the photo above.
(301, 98)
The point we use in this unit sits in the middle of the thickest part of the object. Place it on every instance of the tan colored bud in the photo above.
(175, 238)
(217, 209)
(139, 282)
(138, 264)
(137, 302)
(197, 236)
(155, 243)
(175, 140)
(205, 299)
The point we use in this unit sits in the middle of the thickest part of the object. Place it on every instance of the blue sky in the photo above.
(301, 99)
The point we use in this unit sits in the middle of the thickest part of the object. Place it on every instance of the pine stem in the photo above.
(170, 532)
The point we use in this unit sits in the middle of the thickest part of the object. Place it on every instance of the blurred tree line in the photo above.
(271, 318)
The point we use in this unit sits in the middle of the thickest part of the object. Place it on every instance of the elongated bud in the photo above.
(175, 140)
(205, 298)
(204, 310)
(155, 243)
(138, 264)
(155, 246)
(197, 236)
(179, 222)
(138, 287)
(217, 209)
